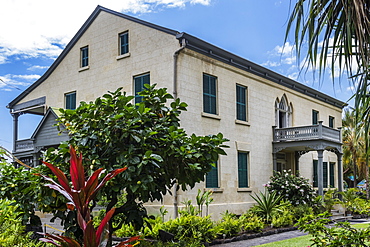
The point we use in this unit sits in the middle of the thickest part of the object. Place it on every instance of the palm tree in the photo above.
(336, 32)
(354, 148)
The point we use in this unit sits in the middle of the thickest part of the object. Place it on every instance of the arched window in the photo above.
(283, 112)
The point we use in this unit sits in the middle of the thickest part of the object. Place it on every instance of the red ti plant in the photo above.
(79, 196)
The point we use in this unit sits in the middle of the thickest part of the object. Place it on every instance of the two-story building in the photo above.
(273, 122)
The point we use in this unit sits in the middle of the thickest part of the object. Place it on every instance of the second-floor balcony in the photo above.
(307, 133)
(24, 145)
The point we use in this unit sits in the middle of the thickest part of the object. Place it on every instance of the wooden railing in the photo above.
(311, 132)
(24, 145)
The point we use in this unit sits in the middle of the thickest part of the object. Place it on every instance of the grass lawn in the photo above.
(303, 240)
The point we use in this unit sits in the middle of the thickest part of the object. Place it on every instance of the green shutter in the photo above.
(212, 177)
(315, 183)
(325, 174)
(332, 177)
(243, 170)
(209, 94)
(241, 103)
(139, 82)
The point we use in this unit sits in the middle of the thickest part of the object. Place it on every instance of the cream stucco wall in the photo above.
(150, 51)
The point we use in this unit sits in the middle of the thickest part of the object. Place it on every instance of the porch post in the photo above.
(15, 131)
(340, 172)
(297, 156)
(320, 171)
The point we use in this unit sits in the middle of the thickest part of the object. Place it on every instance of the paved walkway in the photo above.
(276, 237)
(264, 240)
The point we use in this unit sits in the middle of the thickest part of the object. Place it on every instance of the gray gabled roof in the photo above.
(197, 45)
(77, 36)
(217, 53)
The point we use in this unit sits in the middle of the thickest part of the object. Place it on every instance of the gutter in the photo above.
(175, 94)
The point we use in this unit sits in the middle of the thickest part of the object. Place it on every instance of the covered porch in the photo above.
(303, 139)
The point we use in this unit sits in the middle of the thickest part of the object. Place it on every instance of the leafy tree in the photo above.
(146, 138)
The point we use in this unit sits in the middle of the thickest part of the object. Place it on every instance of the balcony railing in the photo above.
(304, 133)
(24, 145)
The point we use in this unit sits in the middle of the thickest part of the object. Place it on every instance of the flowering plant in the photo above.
(293, 188)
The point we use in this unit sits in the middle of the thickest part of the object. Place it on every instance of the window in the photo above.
(283, 112)
(85, 56)
(123, 41)
(243, 170)
(209, 94)
(70, 100)
(331, 175)
(315, 117)
(241, 103)
(328, 174)
(139, 82)
(212, 177)
(331, 122)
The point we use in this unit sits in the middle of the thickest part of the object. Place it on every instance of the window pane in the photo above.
(139, 82)
(242, 170)
(70, 100)
(212, 177)
(209, 94)
(124, 43)
(84, 56)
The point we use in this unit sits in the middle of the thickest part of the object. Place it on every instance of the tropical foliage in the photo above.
(79, 197)
(147, 139)
(293, 188)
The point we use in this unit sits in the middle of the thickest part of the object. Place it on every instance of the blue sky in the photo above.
(35, 32)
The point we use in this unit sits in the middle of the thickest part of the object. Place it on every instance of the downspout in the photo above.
(175, 58)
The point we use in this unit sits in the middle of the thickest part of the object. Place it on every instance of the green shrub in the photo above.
(293, 188)
(229, 226)
(283, 219)
(342, 234)
(251, 223)
(302, 210)
(268, 204)
(11, 229)
(191, 227)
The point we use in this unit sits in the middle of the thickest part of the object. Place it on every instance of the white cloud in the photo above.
(10, 82)
(37, 67)
(42, 28)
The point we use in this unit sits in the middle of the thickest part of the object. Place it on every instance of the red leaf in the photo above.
(62, 239)
(91, 183)
(103, 223)
(125, 243)
(89, 235)
(63, 181)
(81, 221)
(108, 177)
(76, 170)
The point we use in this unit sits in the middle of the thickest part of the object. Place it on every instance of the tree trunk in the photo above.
(354, 172)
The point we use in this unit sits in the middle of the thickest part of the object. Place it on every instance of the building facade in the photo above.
(272, 122)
